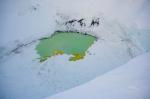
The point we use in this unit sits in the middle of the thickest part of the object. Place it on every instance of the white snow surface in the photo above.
(130, 81)
(122, 35)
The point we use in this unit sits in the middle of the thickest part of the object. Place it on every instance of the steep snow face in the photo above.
(130, 81)
(23, 23)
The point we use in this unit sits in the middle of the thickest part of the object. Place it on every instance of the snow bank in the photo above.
(24, 21)
(130, 81)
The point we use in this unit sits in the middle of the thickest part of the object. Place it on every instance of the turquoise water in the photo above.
(71, 43)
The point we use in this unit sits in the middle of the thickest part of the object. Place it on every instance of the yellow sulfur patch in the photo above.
(77, 57)
(58, 52)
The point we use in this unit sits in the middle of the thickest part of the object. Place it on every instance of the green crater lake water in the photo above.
(71, 43)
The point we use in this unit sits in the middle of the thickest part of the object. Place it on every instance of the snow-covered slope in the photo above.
(130, 81)
(123, 33)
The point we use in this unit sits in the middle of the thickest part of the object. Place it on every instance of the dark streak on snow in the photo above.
(16, 50)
